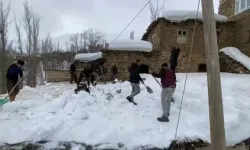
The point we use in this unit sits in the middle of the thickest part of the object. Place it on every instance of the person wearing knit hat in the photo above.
(12, 76)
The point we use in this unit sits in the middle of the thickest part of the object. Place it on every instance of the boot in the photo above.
(163, 119)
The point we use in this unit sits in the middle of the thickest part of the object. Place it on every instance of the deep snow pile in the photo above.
(52, 112)
(237, 55)
(131, 45)
(181, 15)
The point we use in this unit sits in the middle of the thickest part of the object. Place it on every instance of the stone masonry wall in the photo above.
(167, 38)
(242, 32)
(227, 64)
(122, 59)
(226, 8)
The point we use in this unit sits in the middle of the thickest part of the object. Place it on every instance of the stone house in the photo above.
(238, 11)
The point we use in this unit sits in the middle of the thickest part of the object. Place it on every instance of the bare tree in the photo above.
(4, 14)
(75, 43)
(18, 33)
(47, 45)
(132, 35)
(155, 11)
(91, 38)
(31, 26)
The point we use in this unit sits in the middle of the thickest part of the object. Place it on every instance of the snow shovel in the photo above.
(148, 89)
(5, 100)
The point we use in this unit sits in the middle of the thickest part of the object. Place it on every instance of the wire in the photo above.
(130, 22)
(189, 58)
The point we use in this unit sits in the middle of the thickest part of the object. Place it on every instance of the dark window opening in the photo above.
(144, 68)
(179, 32)
(202, 68)
(184, 33)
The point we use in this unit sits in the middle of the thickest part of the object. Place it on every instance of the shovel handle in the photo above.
(13, 88)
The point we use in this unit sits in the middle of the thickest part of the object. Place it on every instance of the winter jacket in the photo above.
(167, 77)
(13, 72)
(174, 57)
(134, 70)
(72, 68)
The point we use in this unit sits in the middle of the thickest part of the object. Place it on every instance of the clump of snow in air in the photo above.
(87, 57)
(131, 45)
(52, 112)
(180, 15)
(237, 55)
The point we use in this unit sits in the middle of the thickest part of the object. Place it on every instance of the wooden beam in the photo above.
(217, 130)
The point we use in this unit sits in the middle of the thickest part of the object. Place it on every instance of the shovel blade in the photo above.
(3, 101)
(149, 90)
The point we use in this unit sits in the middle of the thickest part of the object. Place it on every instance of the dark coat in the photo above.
(134, 70)
(174, 58)
(72, 68)
(13, 72)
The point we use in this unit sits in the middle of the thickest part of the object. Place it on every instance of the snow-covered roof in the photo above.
(131, 45)
(87, 57)
(181, 15)
(237, 55)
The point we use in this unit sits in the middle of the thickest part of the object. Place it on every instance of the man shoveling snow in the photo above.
(168, 82)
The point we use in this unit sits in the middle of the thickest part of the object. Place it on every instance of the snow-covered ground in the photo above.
(54, 113)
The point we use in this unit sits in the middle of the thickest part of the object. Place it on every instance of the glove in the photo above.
(142, 82)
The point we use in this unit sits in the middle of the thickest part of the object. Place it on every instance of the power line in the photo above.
(131, 21)
(186, 77)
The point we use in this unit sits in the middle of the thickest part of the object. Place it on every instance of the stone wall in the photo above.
(242, 32)
(166, 37)
(226, 8)
(55, 75)
(122, 59)
(227, 64)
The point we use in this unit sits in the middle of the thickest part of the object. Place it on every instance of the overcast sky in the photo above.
(69, 16)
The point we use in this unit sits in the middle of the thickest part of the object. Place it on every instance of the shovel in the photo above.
(5, 100)
(148, 89)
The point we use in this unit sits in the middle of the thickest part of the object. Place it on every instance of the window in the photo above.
(182, 36)
(241, 5)
(237, 5)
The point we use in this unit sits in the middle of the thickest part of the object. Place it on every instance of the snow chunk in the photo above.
(236, 54)
(179, 15)
(87, 57)
(131, 45)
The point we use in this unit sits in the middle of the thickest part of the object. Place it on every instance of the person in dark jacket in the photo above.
(73, 73)
(174, 58)
(135, 80)
(114, 71)
(168, 82)
(87, 73)
(13, 73)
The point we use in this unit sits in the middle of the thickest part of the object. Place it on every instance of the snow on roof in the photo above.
(178, 16)
(131, 45)
(236, 54)
(87, 57)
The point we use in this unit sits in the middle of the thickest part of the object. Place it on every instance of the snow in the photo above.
(87, 57)
(52, 112)
(237, 55)
(131, 45)
(180, 15)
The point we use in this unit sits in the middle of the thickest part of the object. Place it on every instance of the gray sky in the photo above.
(69, 16)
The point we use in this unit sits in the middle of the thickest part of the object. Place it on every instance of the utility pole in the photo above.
(217, 129)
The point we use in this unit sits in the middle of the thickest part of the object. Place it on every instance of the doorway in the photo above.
(144, 68)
